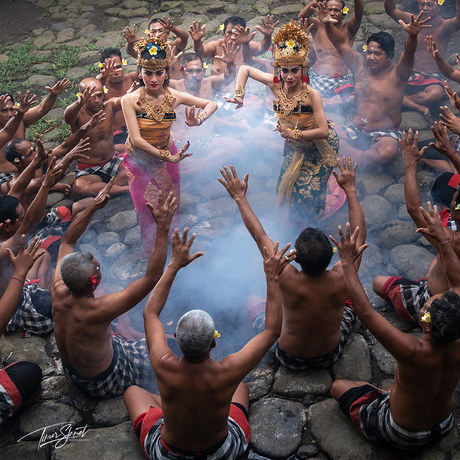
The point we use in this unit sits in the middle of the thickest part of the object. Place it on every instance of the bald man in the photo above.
(104, 162)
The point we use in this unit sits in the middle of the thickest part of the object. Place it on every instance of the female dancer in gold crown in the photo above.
(151, 157)
(311, 146)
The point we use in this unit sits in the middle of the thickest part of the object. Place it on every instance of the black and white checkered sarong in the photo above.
(130, 366)
(329, 86)
(353, 132)
(28, 315)
(112, 168)
(320, 362)
(377, 424)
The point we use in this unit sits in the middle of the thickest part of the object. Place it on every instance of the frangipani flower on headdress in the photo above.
(152, 49)
(345, 10)
(290, 43)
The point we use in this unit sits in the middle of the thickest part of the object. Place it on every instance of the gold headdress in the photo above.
(291, 46)
(159, 50)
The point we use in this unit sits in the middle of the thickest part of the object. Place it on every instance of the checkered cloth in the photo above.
(406, 296)
(111, 168)
(425, 79)
(130, 366)
(320, 362)
(330, 86)
(233, 448)
(10, 399)
(33, 313)
(377, 424)
(5, 177)
(353, 132)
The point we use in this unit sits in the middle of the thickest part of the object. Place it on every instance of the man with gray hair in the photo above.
(100, 363)
(201, 411)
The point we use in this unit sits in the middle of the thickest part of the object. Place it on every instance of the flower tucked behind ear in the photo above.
(92, 280)
(440, 2)
(101, 65)
(147, 31)
(105, 89)
(457, 208)
(216, 335)
(221, 27)
(79, 95)
(365, 47)
(16, 160)
(205, 66)
(345, 10)
(123, 62)
(334, 249)
(426, 318)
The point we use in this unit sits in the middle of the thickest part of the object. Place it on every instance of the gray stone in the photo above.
(395, 193)
(26, 449)
(371, 260)
(111, 412)
(385, 361)
(117, 443)
(128, 267)
(335, 433)
(114, 39)
(77, 73)
(414, 120)
(213, 227)
(425, 180)
(297, 384)
(262, 7)
(216, 7)
(45, 3)
(59, 16)
(81, 22)
(382, 20)
(403, 214)
(133, 236)
(116, 250)
(260, 381)
(113, 11)
(74, 7)
(63, 2)
(88, 55)
(130, 4)
(402, 257)
(88, 30)
(27, 349)
(107, 4)
(45, 414)
(277, 426)
(53, 198)
(307, 451)
(355, 363)
(375, 210)
(215, 208)
(188, 201)
(262, 203)
(165, 6)
(58, 386)
(86, 8)
(122, 221)
(43, 41)
(396, 232)
(92, 249)
(286, 9)
(373, 183)
(213, 190)
(108, 238)
(374, 8)
(65, 35)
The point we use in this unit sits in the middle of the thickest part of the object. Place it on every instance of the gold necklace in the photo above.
(288, 105)
(157, 112)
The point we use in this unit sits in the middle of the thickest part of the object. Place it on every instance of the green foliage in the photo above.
(17, 68)
(45, 125)
(67, 57)
(366, 26)
(92, 47)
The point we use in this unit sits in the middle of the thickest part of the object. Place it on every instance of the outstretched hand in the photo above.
(453, 97)
(238, 100)
(431, 47)
(276, 261)
(25, 103)
(415, 25)
(78, 152)
(441, 136)
(59, 87)
(97, 118)
(434, 228)
(180, 256)
(450, 120)
(163, 214)
(410, 151)
(103, 196)
(348, 251)
(346, 180)
(197, 31)
(320, 8)
(268, 26)
(26, 257)
(42, 154)
(235, 188)
(229, 53)
(52, 174)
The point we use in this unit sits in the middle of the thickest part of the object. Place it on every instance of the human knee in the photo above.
(337, 388)
(378, 283)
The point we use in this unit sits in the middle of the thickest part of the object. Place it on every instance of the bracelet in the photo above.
(17, 279)
(296, 133)
(165, 155)
(445, 242)
(202, 116)
(239, 92)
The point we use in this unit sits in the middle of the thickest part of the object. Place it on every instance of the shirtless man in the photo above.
(103, 163)
(33, 313)
(161, 28)
(424, 87)
(329, 74)
(202, 407)
(101, 364)
(32, 116)
(405, 295)
(379, 91)
(233, 27)
(418, 407)
(116, 84)
(316, 318)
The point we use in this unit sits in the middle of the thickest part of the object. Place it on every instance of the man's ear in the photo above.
(213, 343)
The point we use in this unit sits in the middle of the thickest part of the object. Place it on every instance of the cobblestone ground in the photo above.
(292, 415)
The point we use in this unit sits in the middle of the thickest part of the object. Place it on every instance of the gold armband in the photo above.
(239, 92)
(202, 116)
(165, 155)
(296, 134)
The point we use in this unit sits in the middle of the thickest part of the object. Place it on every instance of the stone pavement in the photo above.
(292, 414)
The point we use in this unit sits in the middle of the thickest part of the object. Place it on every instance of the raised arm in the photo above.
(348, 55)
(237, 190)
(395, 13)
(241, 363)
(131, 39)
(22, 263)
(355, 20)
(267, 29)
(346, 181)
(443, 144)
(154, 331)
(34, 114)
(307, 11)
(72, 111)
(405, 64)
(453, 24)
(399, 344)
(197, 31)
(444, 67)
(182, 36)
